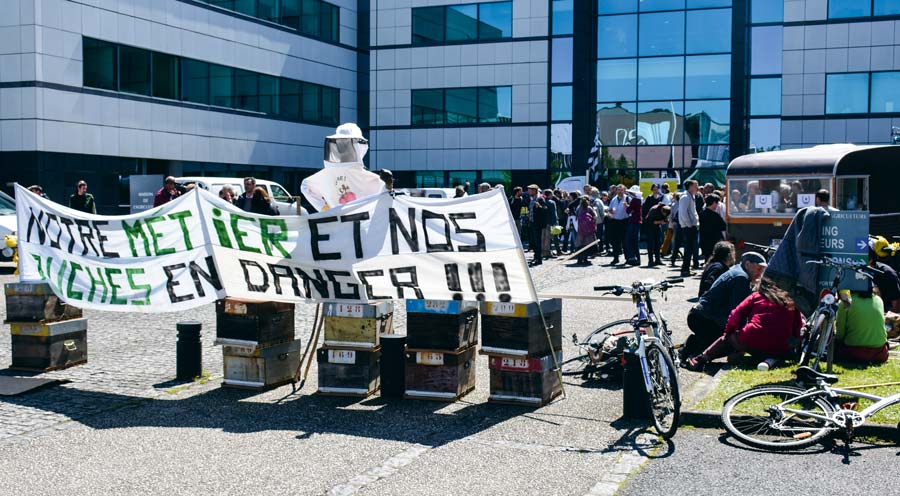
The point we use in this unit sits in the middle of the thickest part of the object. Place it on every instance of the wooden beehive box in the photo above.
(524, 381)
(357, 325)
(346, 372)
(263, 322)
(441, 325)
(35, 302)
(45, 346)
(439, 375)
(260, 368)
(516, 329)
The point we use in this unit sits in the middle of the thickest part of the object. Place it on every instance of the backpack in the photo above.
(587, 223)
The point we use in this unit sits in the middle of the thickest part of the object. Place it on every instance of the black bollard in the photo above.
(189, 357)
(635, 401)
(393, 365)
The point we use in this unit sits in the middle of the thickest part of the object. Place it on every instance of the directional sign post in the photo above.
(845, 237)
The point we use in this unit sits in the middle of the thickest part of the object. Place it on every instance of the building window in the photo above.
(766, 11)
(617, 36)
(617, 6)
(765, 135)
(849, 8)
(885, 92)
(766, 44)
(561, 60)
(165, 76)
(846, 93)
(661, 33)
(99, 69)
(460, 23)
(708, 76)
(195, 81)
(709, 31)
(454, 106)
(650, 5)
(661, 78)
(134, 70)
(765, 96)
(887, 7)
(617, 80)
(198, 82)
(561, 103)
(313, 18)
(563, 16)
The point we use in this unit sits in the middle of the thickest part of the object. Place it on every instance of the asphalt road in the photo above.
(706, 462)
(114, 429)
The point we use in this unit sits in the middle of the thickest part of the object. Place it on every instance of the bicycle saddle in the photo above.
(810, 376)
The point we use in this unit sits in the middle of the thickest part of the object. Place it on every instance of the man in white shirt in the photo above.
(618, 217)
(690, 222)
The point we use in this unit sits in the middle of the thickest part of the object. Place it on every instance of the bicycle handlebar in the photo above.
(640, 288)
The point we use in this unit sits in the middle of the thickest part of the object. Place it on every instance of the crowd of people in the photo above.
(682, 226)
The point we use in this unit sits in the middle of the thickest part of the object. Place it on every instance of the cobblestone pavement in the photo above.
(126, 394)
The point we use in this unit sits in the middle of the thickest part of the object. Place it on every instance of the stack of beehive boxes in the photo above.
(46, 333)
(521, 362)
(258, 346)
(440, 349)
(349, 361)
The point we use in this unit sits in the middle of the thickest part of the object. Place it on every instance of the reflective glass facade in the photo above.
(461, 23)
(663, 84)
(137, 71)
(461, 106)
(313, 18)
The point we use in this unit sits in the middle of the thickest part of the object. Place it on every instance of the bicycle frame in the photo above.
(645, 317)
(880, 402)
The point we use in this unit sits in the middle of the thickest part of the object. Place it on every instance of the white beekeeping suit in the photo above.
(344, 177)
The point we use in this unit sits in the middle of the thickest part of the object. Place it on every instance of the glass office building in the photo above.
(503, 91)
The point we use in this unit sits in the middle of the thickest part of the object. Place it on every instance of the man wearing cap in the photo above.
(167, 193)
(707, 319)
(537, 216)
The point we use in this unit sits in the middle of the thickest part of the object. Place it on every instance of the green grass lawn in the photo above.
(745, 376)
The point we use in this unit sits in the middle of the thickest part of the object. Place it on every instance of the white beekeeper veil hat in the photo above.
(347, 144)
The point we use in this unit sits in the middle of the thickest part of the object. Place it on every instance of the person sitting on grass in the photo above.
(859, 329)
(765, 324)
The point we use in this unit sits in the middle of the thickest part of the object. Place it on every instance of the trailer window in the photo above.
(772, 196)
(852, 193)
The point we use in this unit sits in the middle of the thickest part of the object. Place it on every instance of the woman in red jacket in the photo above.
(765, 324)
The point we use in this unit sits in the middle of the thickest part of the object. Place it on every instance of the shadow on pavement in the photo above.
(233, 410)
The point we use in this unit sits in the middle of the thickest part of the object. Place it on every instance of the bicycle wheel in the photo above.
(582, 364)
(753, 417)
(811, 339)
(665, 399)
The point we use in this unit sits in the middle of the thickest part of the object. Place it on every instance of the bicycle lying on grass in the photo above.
(647, 336)
(787, 417)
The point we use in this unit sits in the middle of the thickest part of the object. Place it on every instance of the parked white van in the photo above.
(280, 197)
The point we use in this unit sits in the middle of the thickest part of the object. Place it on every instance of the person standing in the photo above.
(599, 201)
(587, 225)
(515, 206)
(712, 225)
(245, 201)
(167, 193)
(260, 203)
(227, 194)
(657, 217)
(690, 223)
(654, 199)
(617, 220)
(537, 216)
(550, 220)
(82, 200)
(633, 227)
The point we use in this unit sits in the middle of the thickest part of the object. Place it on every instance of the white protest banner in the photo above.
(198, 248)
(129, 263)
